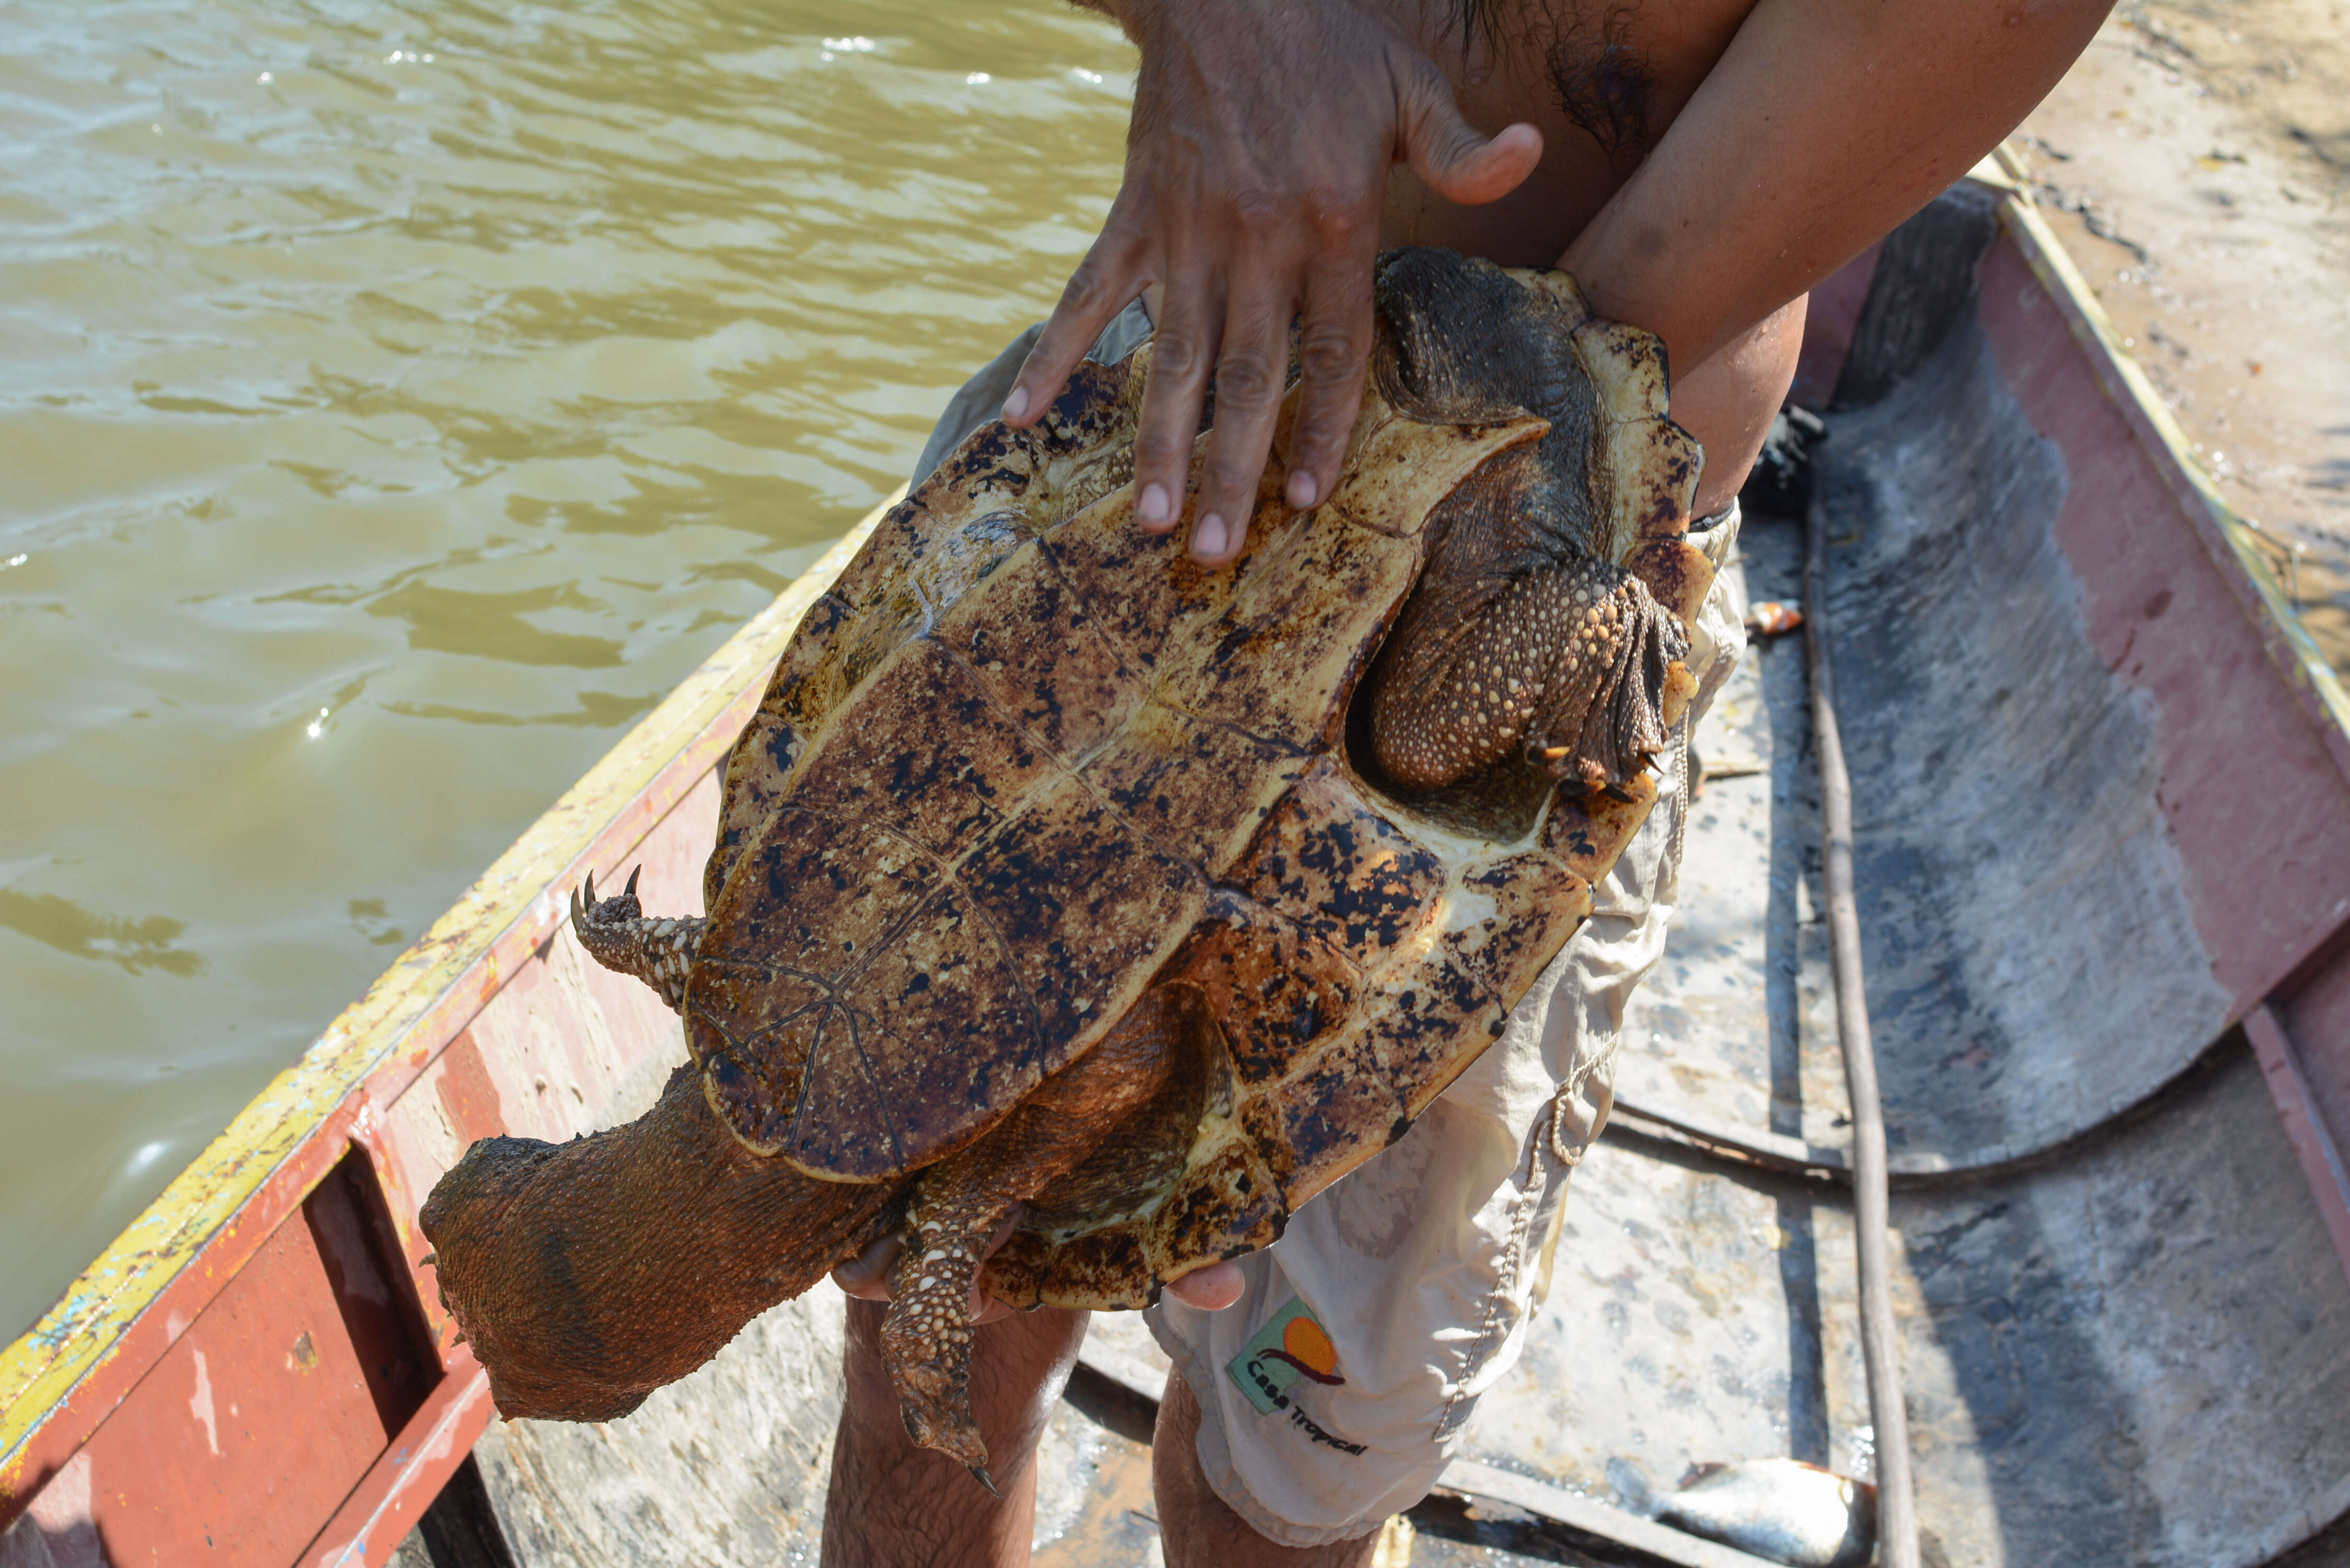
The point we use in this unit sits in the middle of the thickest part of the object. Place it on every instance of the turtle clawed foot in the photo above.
(618, 935)
(932, 1380)
(587, 909)
(945, 1424)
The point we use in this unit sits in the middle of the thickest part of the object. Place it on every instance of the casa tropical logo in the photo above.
(1292, 1347)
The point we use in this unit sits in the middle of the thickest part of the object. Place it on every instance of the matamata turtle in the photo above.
(1060, 876)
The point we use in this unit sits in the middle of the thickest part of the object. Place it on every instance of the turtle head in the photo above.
(585, 1274)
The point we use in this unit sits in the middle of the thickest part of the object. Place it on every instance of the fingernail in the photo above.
(1208, 537)
(1303, 492)
(1153, 507)
(1016, 404)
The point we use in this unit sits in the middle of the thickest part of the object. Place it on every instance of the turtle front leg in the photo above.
(618, 935)
(1570, 664)
(963, 1201)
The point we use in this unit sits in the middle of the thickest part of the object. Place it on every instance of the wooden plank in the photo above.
(61, 1380)
(401, 1484)
(1592, 1517)
(261, 1415)
(2320, 1158)
(2225, 534)
(2314, 1009)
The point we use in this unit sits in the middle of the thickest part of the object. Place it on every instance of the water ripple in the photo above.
(466, 375)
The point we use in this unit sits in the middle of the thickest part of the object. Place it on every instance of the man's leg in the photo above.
(894, 1505)
(1197, 1527)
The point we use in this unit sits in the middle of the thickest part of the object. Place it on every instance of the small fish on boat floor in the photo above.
(1783, 1510)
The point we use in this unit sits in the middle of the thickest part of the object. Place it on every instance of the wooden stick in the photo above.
(1897, 1513)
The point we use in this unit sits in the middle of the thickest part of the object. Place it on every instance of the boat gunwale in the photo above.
(2225, 532)
(63, 1377)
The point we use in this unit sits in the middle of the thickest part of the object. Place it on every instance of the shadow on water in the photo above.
(138, 945)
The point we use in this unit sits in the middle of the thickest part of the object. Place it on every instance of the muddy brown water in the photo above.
(400, 399)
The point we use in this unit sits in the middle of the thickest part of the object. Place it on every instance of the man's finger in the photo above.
(1105, 283)
(985, 1308)
(1251, 375)
(1334, 345)
(1457, 161)
(1212, 1289)
(1182, 352)
(867, 1275)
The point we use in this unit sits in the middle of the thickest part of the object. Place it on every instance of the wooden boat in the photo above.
(2104, 849)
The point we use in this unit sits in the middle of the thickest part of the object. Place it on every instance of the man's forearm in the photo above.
(1825, 124)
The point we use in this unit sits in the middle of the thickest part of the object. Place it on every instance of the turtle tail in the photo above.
(618, 935)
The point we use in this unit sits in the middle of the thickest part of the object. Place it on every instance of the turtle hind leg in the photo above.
(618, 935)
(1565, 664)
(926, 1338)
(963, 1201)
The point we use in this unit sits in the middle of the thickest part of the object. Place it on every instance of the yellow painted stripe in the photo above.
(41, 1368)
(1999, 170)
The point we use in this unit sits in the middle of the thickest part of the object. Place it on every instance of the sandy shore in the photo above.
(2197, 161)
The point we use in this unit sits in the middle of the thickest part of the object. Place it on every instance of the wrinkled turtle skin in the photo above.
(1060, 876)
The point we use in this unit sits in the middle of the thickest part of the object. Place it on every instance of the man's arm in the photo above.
(1256, 169)
(1825, 124)
(1263, 131)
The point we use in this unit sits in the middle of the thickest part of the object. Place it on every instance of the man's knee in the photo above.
(1198, 1529)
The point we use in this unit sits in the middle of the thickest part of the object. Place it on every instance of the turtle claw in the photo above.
(583, 904)
(618, 935)
(941, 1421)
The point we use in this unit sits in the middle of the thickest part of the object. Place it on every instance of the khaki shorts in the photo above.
(1336, 1390)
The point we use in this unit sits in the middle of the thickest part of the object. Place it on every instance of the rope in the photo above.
(1897, 1513)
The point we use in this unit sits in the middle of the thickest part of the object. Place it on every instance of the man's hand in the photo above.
(1256, 170)
(866, 1276)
